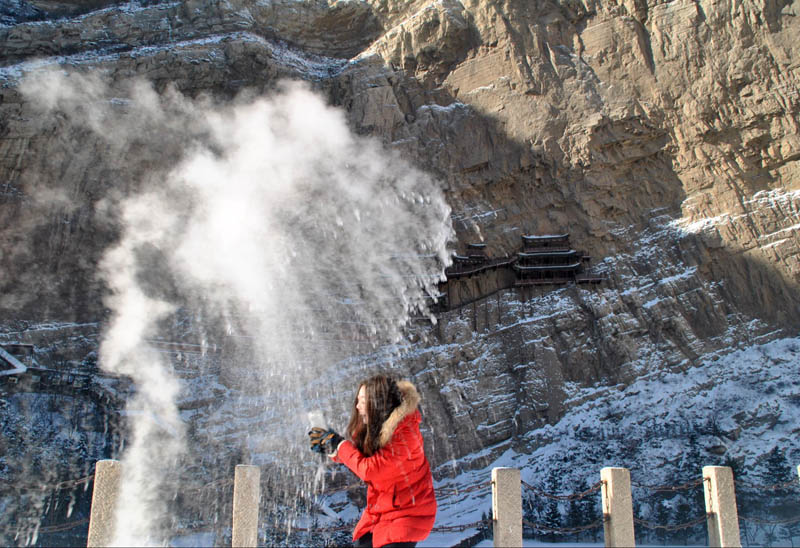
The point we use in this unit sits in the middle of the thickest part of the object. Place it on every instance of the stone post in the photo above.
(617, 507)
(246, 494)
(105, 494)
(507, 506)
(721, 514)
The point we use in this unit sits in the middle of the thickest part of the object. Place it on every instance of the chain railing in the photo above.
(678, 527)
(47, 488)
(335, 529)
(463, 527)
(575, 496)
(565, 530)
(781, 486)
(67, 484)
(669, 488)
(455, 491)
(61, 527)
(57, 528)
(792, 484)
(451, 491)
(597, 524)
(759, 521)
(442, 492)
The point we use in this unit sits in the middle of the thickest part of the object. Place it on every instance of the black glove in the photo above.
(324, 441)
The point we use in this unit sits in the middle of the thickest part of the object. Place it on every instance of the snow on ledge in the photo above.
(311, 64)
(778, 199)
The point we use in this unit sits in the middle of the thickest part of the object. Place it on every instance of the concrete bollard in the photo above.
(246, 494)
(507, 506)
(617, 507)
(722, 517)
(105, 494)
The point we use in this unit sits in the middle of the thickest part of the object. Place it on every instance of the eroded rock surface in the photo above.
(663, 136)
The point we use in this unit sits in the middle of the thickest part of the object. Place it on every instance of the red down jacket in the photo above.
(401, 505)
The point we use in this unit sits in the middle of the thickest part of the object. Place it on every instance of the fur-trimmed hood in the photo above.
(407, 407)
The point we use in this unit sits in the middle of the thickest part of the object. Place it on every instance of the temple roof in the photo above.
(561, 253)
(548, 267)
(545, 237)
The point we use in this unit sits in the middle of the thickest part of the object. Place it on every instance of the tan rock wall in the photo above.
(663, 136)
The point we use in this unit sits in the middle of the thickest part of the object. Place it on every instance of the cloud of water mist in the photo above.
(295, 240)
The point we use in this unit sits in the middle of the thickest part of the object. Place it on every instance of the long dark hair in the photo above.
(383, 396)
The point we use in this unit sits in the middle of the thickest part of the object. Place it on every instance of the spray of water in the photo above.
(273, 226)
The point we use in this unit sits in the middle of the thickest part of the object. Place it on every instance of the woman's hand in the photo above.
(336, 451)
(325, 441)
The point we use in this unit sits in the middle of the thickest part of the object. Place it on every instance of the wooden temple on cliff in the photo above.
(549, 260)
(542, 261)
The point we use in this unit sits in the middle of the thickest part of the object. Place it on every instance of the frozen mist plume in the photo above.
(295, 243)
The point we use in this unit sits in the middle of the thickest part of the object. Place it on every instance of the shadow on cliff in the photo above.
(752, 286)
(501, 188)
(498, 187)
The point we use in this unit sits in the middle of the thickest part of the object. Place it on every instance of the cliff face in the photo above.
(564, 116)
(663, 136)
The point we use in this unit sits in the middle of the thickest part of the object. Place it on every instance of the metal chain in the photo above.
(58, 528)
(449, 491)
(766, 522)
(460, 528)
(593, 489)
(68, 484)
(346, 527)
(687, 525)
(669, 488)
(789, 484)
(564, 530)
(61, 527)
(75, 483)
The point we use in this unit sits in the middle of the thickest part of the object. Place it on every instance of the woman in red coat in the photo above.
(385, 450)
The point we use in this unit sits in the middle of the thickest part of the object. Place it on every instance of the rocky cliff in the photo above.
(538, 117)
(661, 135)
